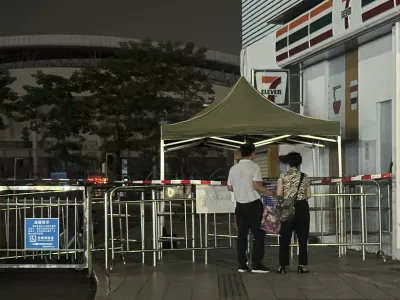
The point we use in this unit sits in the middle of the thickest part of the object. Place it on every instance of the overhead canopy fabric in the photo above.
(244, 111)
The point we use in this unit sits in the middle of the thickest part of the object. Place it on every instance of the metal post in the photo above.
(362, 200)
(321, 220)
(351, 218)
(162, 203)
(339, 144)
(206, 238)
(345, 221)
(389, 205)
(162, 161)
(89, 230)
(380, 218)
(301, 89)
(193, 228)
(155, 233)
(337, 223)
(112, 230)
(106, 230)
(142, 229)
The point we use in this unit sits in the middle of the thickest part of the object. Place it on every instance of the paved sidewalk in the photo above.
(45, 284)
(331, 278)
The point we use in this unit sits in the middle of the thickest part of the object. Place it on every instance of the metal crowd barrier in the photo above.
(163, 218)
(150, 220)
(45, 227)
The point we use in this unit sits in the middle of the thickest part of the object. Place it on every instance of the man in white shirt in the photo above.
(246, 182)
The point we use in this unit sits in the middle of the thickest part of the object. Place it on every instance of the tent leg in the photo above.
(339, 144)
(341, 204)
(162, 161)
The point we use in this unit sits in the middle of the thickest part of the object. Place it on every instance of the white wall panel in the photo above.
(255, 17)
(375, 86)
(260, 55)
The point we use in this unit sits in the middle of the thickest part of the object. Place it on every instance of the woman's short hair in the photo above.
(294, 159)
(247, 149)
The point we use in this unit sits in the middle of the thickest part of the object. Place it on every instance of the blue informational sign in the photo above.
(41, 234)
(269, 200)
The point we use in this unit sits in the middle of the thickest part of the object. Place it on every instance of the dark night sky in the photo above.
(215, 24)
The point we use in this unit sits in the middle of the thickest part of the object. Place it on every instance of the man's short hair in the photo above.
(247, 149)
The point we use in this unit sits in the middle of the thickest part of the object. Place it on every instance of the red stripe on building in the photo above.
(319, 38)
(299, 48)
(282, 56)
(377, 10)
(354, 88)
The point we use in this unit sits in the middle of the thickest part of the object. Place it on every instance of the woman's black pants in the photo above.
(301, 225)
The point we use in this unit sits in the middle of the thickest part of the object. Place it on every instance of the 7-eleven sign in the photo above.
(272, 84)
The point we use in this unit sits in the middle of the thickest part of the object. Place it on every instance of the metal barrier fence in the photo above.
(45, 227)
(160, 221)
(61, 226)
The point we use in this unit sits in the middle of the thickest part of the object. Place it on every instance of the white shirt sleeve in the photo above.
(230, 177)
(257, 174)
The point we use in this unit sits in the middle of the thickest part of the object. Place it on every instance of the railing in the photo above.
(169, 220)
(150, 218)
(45, 227)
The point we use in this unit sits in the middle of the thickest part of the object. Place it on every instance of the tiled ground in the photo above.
(331, 278)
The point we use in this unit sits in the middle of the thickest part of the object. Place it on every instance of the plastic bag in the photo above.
(270, 222)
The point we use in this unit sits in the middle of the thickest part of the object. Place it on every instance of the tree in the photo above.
(52, 109)
(7, 98)
(145, 84)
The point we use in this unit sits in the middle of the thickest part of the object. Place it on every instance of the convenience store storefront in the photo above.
(346, 54)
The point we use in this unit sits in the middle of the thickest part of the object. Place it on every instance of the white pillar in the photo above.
(396, 142)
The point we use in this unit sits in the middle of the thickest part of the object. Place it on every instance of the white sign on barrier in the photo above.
(214, 200)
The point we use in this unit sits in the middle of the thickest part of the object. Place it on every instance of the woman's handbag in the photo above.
(286, 208)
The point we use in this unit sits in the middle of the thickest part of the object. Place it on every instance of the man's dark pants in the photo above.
(248, 216)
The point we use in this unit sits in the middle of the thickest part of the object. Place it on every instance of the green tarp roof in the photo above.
(244, 111)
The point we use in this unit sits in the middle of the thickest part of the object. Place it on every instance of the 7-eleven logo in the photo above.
(346, 12)
(273, 82)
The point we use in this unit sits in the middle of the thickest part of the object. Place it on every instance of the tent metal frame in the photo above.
(232, 144)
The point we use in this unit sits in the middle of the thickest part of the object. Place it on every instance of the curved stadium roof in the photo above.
(209, 23)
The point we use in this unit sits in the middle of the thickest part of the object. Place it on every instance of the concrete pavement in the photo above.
(178, 278)
(45, 284)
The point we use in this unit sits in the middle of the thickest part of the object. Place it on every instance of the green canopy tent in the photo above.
(243, 114)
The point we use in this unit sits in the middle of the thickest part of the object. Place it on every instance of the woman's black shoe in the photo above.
(281, 270)
(302, 270)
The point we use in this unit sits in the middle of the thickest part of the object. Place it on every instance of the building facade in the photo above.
(347, 55)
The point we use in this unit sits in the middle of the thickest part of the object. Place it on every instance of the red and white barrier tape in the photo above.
(182, 181)
(352, 178)
(205, 182)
